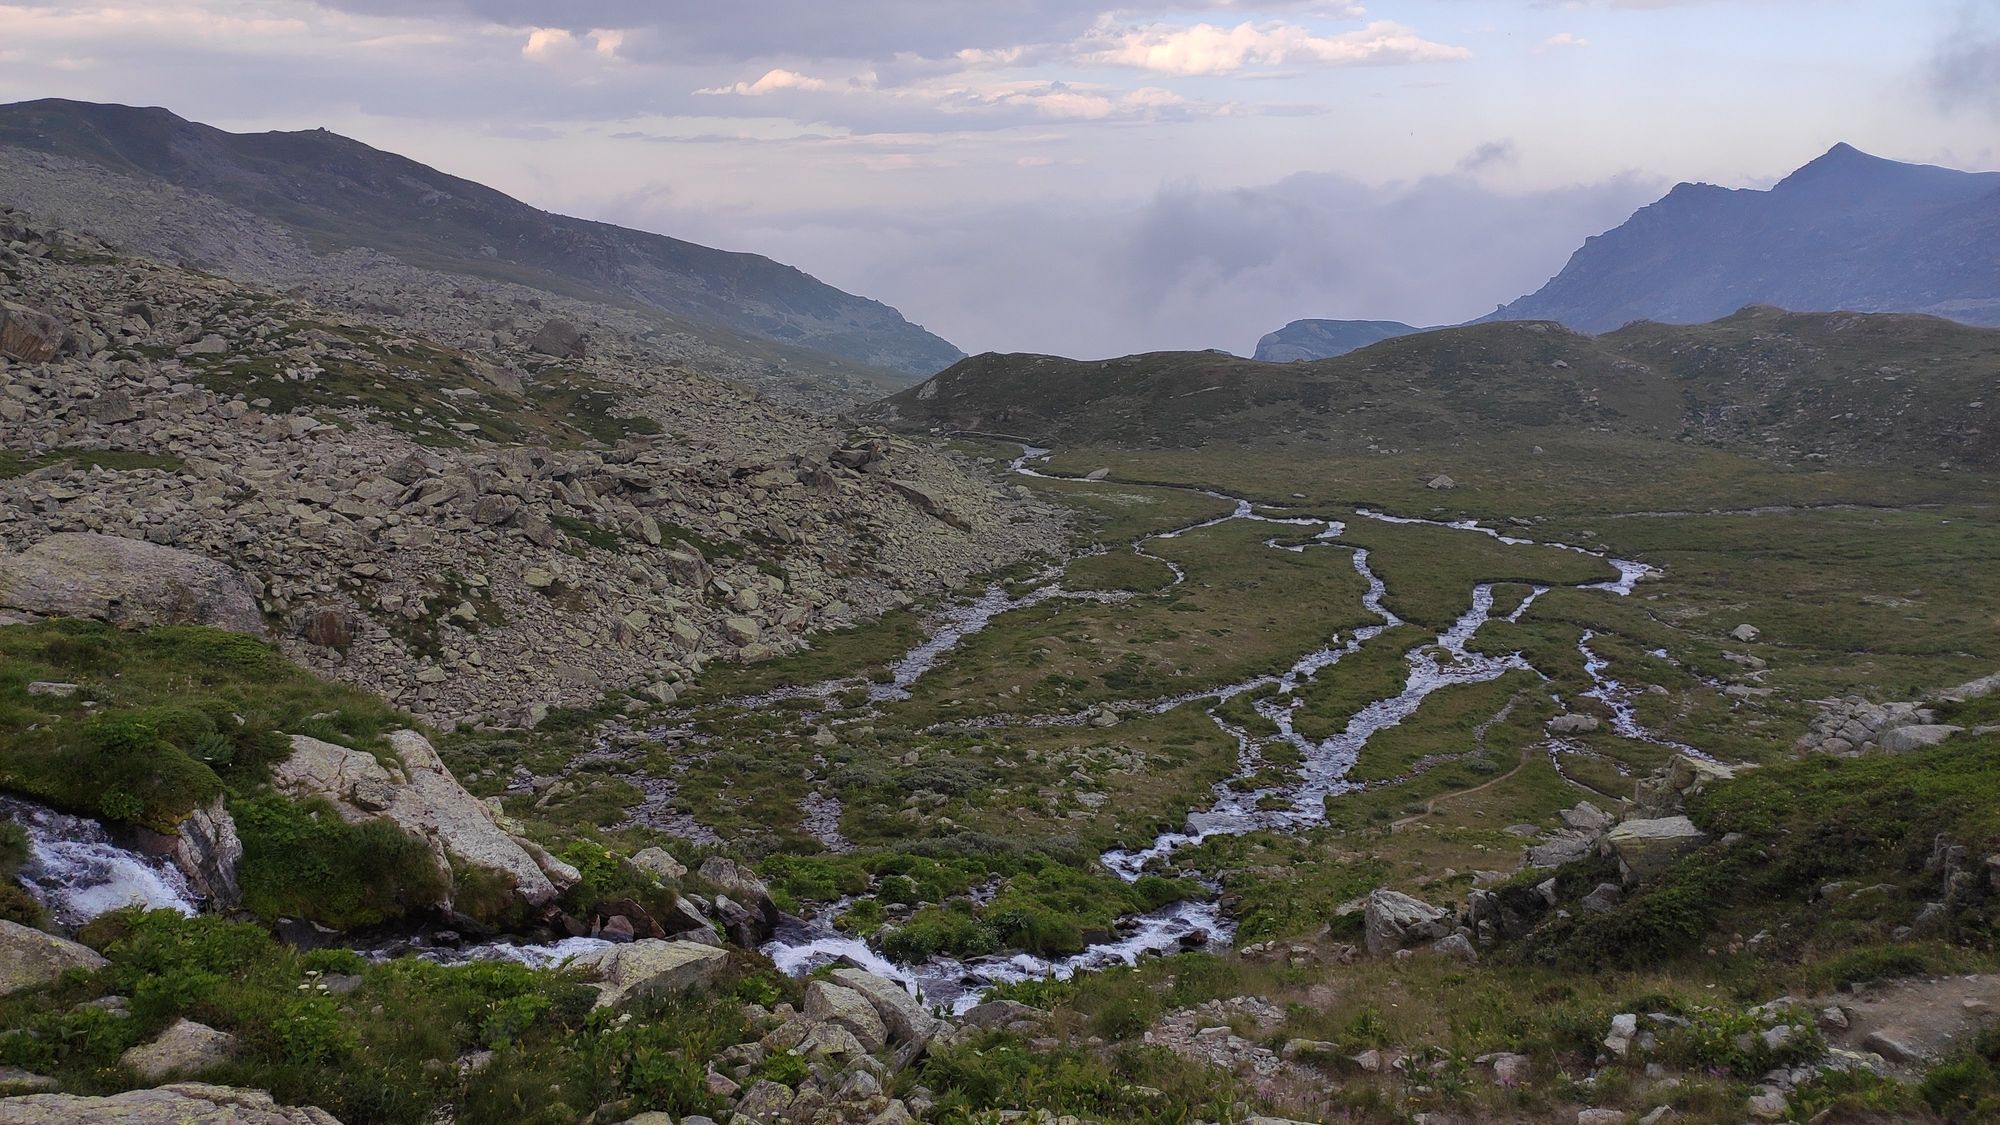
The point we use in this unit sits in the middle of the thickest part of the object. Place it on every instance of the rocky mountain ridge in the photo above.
(328, 194)
(474, 532)
(1848, 231)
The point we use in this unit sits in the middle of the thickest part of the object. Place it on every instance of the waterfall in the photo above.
(78, 871)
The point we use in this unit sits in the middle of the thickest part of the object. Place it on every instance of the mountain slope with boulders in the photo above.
(474, 527)
(1848, 231)
(1849, 388)
(334, 194)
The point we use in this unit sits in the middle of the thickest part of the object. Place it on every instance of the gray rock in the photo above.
(29, 335)
(658, 863)
(1573, 724)
(189, 1103)
(1647, 847)
(906, 1019)
(128, 582)
(651, 965)
(831, 1003)
(184, 1048)
(424, 800)
(1393, 920)
(1902, 740)
(30, 958)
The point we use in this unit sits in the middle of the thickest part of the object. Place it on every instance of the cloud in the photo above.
(1559, 41)
(1492, 154)
(1206, 48)
(546, 41)
(1964, 73)
(1187, 267)
(772, 82)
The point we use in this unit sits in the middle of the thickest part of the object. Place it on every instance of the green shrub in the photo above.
(300, 860)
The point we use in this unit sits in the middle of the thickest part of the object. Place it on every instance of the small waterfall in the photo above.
(78, 871)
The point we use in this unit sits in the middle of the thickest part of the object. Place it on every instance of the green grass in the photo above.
(1118, 571)
(386, 1052)
(13, 464)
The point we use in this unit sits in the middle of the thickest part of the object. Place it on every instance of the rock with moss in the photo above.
(181, 1104)
(1646, 847)
(1393, 920)
(30, 958)
(184, 1048)
(421, 797)
(128, 582)
(624, 972)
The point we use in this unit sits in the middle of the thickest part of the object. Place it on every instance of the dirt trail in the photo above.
(1912, 1023)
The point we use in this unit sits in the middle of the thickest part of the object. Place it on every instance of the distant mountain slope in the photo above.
(1848, 231)
(338, 193)
(1306, 340)
(1842, 387)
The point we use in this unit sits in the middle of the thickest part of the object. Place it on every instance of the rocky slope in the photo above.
(462, 501)
(1847, 231)
(1307, 340)
(325, 194)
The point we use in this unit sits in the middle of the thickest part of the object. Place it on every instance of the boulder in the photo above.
(658, 863)
(559, 339)
(188, 1103)
(128, 582)
(29, 335)
(1574, 724)
(831, 1003)
(1392, 920)
(907, 1019)
(30, 958)
(740, 884)
(1441, 483)
(648, 966)
(1902, 740)
(208, 852)
(1746, 633)
(1647, 847)
(185, 1047)
(423, 799)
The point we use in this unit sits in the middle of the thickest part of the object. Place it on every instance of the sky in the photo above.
(1074, 176)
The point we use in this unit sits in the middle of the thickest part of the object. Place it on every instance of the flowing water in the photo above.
(1447, 661)
(78, 871)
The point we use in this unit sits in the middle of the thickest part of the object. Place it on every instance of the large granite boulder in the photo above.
(1393, 920)
(423, 799)
(827, 1002)
(187, 1103)
(906, 1018)
(29, 335)
(651, 965)
(128, 582)
(184, 1048)
(742, 886)
(1902, 740)
(1646, 847)
(30, 958)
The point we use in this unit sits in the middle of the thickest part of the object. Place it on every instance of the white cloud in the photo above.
(1559, 41)
(772, 82)
(1206, 48)
(544, 42)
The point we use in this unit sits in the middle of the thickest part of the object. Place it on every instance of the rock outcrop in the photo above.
(128, 582)
(1647, 847)
(189, 1103)
(1393, 920)
(421, 797)
(30, 958)
(184, 1048)
(641, 967)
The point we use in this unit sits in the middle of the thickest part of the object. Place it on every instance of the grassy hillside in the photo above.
(1803, 390)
